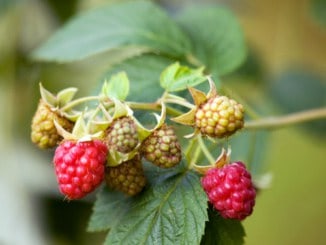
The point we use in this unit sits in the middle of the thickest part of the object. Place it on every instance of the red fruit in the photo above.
(79, 167)
(230, 190)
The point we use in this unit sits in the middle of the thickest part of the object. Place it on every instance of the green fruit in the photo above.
(219, 117)
(122, 135)
(43, 131)
(162, 147)
(127, 177)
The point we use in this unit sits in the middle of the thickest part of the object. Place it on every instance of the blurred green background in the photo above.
(284, 72)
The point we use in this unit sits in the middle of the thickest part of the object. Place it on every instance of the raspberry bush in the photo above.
(152, 137)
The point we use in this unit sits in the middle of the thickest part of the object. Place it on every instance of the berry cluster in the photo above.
(108, 144)
(110, 147)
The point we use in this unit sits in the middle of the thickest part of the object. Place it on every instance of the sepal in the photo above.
(115, 158)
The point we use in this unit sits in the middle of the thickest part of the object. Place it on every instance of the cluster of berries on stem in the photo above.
(108, 144)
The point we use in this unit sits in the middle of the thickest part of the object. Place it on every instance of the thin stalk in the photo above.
(180, 102)
(206, 152)
(154, 107)
(189, 150)
(195, 157)
(79, 101)
(290, 119)
(144, 106)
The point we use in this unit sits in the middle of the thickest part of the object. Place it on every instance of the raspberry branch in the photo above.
(282, 121)
(79, 101)
(153, 107)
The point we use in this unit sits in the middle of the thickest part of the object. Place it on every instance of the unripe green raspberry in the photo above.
(127, 177)
(219, 117)
(162, 147)
(44, 133)
(122, 135)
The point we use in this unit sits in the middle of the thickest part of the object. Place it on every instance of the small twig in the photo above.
(204, 149)
(154, 107)
(79, 101)
(282, 121)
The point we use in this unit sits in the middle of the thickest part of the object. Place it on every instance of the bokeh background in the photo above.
(285, 72)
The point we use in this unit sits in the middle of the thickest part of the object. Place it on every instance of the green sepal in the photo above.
(71, 115)
(80, 131)
(212, 88)
(115, 158)
(186, 118)
(143, 132)
(121, 109)
(64, 133)
(65, 96)
(198, 96)
(97, 126)
(57, 101)
(48, 97)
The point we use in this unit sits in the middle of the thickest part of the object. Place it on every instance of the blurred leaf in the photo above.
(143, 73)
(137, 23)
(176, 77)
(221, 231)
(117, 87)
(298, 90)
(63, 11)
(6, 4)
(250, 147)
(318, 8)
(172, 211)
(217, 39)
(252, 68)
(108, 209)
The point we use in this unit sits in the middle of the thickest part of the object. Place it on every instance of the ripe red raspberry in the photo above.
(79, 167)
(219, 117)
(122, 135)
(230, 190)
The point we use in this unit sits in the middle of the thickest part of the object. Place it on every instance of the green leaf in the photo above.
(7, 4)
(176, 77)
(217, 38)
(298, 89)
(318, 9)
(143, 72)
(171, 211)
(222, 231)
(117, 87)
(134, 23)
(109, 207)
(250, 147)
